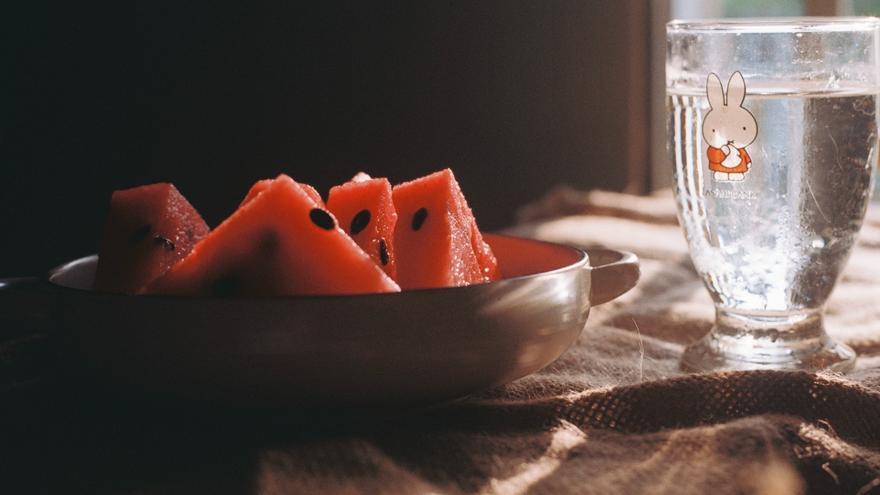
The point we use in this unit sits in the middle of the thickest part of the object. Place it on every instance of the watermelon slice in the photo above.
(262, 185)
(281, 242)
(366, 212)
(437, 241)
(485, 258)
(149, 229)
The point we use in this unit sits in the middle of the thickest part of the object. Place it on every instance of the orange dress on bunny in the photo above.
(716, 156)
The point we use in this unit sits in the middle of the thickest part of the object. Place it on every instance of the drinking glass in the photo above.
(772, 128)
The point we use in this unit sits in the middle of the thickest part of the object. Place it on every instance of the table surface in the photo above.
(613, 415)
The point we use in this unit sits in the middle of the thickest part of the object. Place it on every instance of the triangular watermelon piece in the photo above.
(485, 258)
(281, 242)
(436, 234)
(148, 230)
(366, 212)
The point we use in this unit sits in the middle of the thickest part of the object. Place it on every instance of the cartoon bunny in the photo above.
(728, 128)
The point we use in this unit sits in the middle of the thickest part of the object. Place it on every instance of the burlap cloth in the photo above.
(612, 415)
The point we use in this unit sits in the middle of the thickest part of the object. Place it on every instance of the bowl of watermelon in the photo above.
(382, 296)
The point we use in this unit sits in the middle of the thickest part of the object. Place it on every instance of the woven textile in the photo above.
(613, 415)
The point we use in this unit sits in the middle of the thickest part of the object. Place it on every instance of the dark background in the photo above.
(515, 96)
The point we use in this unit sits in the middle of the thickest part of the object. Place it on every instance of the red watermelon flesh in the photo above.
(433, 239)
(262, 185)
(258, 187)
(148, 230)
(366, 212)
(281, 242)
(486, 259)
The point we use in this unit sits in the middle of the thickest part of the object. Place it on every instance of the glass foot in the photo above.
(747, 342)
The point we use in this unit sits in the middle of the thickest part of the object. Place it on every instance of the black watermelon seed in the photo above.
(268, 243)
(322, 219)
(383, 252)
(140, 234)
(419, 218)
(226, 285)
(189, 233)
(359, 222)
(164, 242)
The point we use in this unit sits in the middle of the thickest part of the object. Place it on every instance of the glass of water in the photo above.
(772, 129)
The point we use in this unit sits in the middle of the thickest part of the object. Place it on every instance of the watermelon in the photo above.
(262, 185)
(148, 230)
(258, 187)
(281, 242)
(485, 258)
(366, 212)
(437, 241)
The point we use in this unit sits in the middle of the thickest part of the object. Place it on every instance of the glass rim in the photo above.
(748, 25)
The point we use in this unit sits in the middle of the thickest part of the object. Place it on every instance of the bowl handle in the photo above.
(612, 273)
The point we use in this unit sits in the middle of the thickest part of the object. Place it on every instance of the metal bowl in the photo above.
(386, 350)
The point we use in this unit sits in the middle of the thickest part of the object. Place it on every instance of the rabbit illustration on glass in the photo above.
(728, 128)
